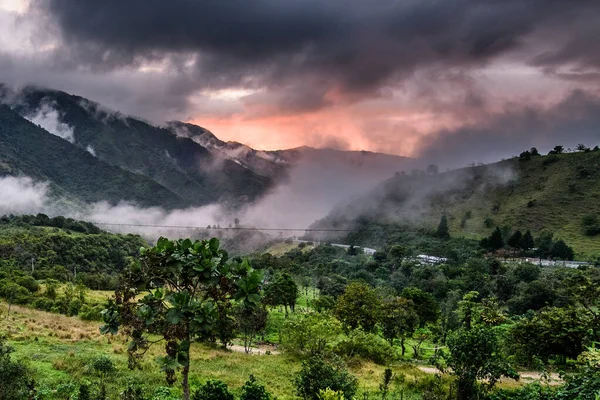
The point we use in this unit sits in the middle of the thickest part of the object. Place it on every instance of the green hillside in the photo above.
(544, 193)
(57, 247)
(177, 163)
(28, 150)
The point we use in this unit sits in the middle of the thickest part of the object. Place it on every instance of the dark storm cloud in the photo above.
(353, 46)
(574, 120)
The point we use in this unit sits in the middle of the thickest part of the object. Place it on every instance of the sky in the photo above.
(447, 80)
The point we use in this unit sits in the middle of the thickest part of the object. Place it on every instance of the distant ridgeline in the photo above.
(556, 195)
(59, 247)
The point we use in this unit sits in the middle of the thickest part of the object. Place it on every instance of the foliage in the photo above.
(365, 345)
(398, 319)
(213, 390)
(309, 333)
(281, 291)
(443, 231)
(552, 332)
(74, 173)
(252, 390)
(427, 308)
(474, 357)
(591, 224)
(329, 394)
(358, 307)
(14, 376)
(317, 375)
(250, 321)
(191, 287)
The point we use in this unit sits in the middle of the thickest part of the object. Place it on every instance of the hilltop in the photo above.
(75, 175)
(550, 193)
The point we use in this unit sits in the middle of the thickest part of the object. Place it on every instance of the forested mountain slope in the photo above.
(556, 193)
(183, 166)
(73, 173)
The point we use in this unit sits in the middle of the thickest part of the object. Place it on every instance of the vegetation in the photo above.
(317, 322)
(556, 193)
(75, 175)
(180, 174)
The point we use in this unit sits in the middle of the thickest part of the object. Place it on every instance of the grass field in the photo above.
(60, 350)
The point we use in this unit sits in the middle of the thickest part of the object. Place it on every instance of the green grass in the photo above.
(546, 193)
(59, 349)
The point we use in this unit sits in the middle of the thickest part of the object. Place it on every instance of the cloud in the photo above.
(21, 195)
(573, 120)
(322, 65)
(48, 118)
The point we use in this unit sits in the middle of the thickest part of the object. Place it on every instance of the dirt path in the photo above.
(255, 351)
(526, 376)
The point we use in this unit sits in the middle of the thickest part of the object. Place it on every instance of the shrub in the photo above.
(133, 391)
(317, 375)
(591, 225)
(365, 345)
(309, 333)
(252, 390)
(14, 377)
(103, 365)
(329, 394)
(323, 303)
(89, 313)
(213, 390)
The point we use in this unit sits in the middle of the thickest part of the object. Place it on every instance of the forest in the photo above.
(89, 314)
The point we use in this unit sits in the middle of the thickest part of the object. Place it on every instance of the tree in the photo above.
(432, 169)
(317, 375)
(534, 152)
(495, 241)
(515, 240)
(250, 321)
(426, 306)
(309, 333)
(582, 147)
(526, 155)
(560, 250)
(352, 250)
(552, 332)
(358, 307)
(14, 376)
(527, 242)
(399, 319)
(252, 390)
(282, 291)
(475, 356)
(557, 150)
(190, 288)
(591, 224)
(544, 244)
(442, 230)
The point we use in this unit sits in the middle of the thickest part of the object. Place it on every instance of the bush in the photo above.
(317, 375)
(252, 390)
(591, 225)
(14, 376)
(309, 333)
(213, 390)
(89, 313)
(133, 391)
(365, 345)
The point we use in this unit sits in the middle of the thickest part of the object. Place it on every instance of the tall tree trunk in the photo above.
(185, 382)
(402, 345)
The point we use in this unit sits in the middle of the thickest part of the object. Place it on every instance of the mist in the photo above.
(22, 195)
(48, 118)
